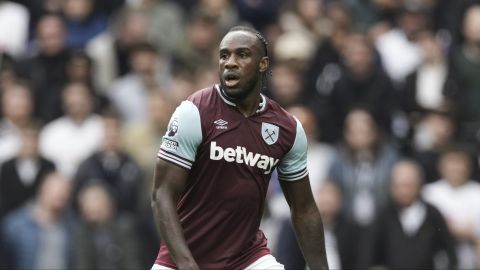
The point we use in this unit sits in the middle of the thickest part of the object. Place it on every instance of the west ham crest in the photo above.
(270, 133)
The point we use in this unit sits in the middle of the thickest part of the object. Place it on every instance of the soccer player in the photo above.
(215, 163)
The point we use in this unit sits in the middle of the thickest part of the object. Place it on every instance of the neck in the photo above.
(78, 120)
(248, 105)
(44, 216)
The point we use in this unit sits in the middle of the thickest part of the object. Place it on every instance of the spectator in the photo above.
(38, 236)
(110, 50)
(305, 17)
(286, 86)
(13, 40)
(80, 70)
(46, 70)
(199, 45)
(411, 20)
(129, 94)
(361, 168)
(325, 68)
(72, 138)
(362, 82)
(17, 111)
(340, 250)
(223, 11)
(166, 23)
(142, 139)
(82, 22)
(103, 238)
(433, 84)
(38, 9)
(434, 132)
(451, 194)
(410, 233)
(114, 166)
(21, 176)
(465, 59)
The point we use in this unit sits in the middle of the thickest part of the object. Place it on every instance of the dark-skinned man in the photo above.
(215, 163)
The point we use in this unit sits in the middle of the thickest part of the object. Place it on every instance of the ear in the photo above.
(264, 64)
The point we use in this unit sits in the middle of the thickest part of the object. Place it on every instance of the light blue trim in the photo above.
(188, 136)
(294, 165)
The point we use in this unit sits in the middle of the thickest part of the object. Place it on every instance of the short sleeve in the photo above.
(183, 136)
(294, 165)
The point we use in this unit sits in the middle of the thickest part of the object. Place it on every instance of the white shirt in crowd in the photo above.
(67, 144)
(460, 205)
(13, 28)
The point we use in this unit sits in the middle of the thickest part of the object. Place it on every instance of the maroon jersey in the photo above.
(230, 158)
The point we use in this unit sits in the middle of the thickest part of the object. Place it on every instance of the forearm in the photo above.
(310, 236)
(171, 231)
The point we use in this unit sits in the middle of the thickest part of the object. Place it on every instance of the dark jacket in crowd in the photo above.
(394, 249)
(13, 192)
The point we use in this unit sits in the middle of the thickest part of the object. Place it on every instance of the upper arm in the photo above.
(293, 165)
(293, 173)
(178, 150)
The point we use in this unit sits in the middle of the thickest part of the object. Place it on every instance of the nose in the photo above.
(231, 62)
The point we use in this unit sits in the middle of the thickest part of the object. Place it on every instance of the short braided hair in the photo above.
(260, 37)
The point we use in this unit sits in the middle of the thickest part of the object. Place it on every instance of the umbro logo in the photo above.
(220, 124)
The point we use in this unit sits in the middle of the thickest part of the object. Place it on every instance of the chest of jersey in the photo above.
(255, 143)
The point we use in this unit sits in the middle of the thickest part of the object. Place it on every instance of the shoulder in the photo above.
(204, 96)
(18, 219)
(277, 115)
(55, 125)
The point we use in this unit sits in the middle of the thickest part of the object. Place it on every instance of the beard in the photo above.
(242, 89)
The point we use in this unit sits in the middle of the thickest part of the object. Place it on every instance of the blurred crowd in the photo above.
(388, 92)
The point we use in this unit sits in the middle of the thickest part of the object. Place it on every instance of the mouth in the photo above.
(231, 79)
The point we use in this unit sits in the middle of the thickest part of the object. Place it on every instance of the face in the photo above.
(78, 10)
(79, 69)
(455, 168)
(144, 62)
(77, 100)
(286, 85)
(113, 133)
(471, 24)
(360, 130)
(241, 64)
(358, 55)
(54, 194)
(96, 205)
(406, 182)
(51, 35)
(17, 104)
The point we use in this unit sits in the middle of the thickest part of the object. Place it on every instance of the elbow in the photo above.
(154, 199)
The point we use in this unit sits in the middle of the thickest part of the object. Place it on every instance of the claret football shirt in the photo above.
(230, 159)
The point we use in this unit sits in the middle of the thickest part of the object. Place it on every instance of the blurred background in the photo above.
(388, 92)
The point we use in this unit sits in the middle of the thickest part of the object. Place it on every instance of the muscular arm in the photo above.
(306, 221)
(169, 183)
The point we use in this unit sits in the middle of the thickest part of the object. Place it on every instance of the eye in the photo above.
(243, 55)
(223, 56)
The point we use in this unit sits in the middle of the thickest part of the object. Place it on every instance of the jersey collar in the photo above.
(261, 106)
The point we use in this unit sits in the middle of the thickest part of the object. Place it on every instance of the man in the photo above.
(216, 166)
(409, 233)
